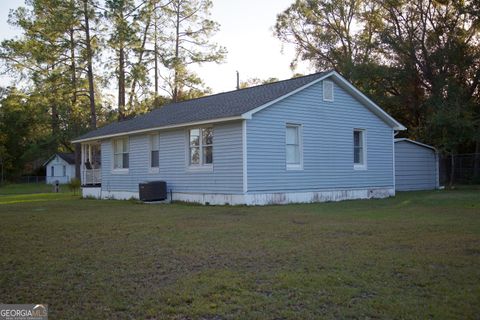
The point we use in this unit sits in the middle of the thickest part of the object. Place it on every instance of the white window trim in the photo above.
(325, 82)
(150, 168)
(201, 167)
(295, 167)
(362, 166)
(120, 170)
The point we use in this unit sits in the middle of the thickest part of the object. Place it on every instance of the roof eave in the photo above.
(49, 159)
(180, 125)
(417, 143)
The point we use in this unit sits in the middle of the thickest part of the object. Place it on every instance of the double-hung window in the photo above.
(154, 152)
(120, 154)
(201, 147)
(293, 147)
(359, 149)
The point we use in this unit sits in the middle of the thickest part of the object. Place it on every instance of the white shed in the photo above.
(60, 167)
(416, 166)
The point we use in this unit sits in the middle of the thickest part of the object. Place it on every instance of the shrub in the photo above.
(74, 185)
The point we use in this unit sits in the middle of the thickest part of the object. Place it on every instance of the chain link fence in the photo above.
(466, 169)
(27, 179)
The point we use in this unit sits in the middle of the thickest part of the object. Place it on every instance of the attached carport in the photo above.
(416, 166)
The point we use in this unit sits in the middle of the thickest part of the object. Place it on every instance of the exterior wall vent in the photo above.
(327, 90)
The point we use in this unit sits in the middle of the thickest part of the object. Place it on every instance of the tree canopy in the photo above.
(70, 51)
(420, 59)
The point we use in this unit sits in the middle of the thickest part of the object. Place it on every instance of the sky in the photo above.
(246, 30)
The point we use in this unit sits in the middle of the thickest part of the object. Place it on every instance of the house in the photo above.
(307, 139)
(416, 166)
(60, 167)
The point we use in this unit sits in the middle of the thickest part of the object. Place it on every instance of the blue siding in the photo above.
(227, 175)
(327, 144)
(415, 167)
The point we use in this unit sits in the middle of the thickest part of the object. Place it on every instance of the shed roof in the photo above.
(415, 142)
(68, 157)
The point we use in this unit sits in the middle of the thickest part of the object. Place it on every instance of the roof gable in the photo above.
(69, 158)
(350, 89)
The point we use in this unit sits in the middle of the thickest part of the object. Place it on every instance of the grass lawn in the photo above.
(29, 188)
(415, 256)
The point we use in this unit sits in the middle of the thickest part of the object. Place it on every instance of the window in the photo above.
(52, 171)
(201, 146)
(359, 149)
(293, 147)
(120, 154)
(154, 147)
(327, 90)
(64, 171)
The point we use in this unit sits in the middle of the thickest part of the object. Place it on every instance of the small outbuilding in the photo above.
(60, 167)
(416, 166)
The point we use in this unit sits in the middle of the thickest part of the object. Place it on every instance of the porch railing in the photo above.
(92, 176)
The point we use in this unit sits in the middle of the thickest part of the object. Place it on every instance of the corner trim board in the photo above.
(244, 155)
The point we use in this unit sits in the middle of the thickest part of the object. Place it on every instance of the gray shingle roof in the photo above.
(217, 106)
(68, 157)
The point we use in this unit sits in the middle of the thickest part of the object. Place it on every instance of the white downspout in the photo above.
(394, 133)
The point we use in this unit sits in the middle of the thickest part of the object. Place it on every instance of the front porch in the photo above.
(91, 166)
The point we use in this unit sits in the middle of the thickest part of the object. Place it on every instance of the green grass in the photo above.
(415, 256)
(29, 188)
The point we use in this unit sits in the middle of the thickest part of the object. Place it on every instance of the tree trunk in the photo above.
(55, 120)
(121, 83)
(139, 62)
(55, 123)
(177, 45)
(155, 50)
(73, 67)
(78, 159)
(452, 170)
(91, 88)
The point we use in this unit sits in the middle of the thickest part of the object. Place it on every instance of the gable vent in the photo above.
(327, 90)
